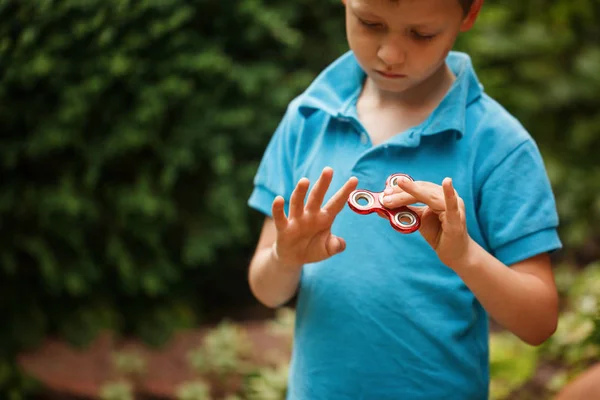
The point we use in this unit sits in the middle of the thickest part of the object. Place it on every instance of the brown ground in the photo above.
(69, 373)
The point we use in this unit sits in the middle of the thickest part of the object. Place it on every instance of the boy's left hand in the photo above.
(443, 223)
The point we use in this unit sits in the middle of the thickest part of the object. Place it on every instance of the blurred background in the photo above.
(130, 132)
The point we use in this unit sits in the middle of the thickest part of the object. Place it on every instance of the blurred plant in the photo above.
(576, 342)
(284, 321)
(195, 390)
(267, 384)
(130, 363)
(572, 344)
(225, 350)
(120, 390)
(512, 363)
(130, 135)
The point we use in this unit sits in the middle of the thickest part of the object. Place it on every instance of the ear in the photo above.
(471, 17)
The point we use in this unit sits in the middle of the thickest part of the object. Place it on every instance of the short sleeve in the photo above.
(274, 176)
(517, 208)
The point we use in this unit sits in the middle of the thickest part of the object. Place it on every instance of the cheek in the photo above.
(437, 54)
(361, 43)
(447, 43)
(444, 54)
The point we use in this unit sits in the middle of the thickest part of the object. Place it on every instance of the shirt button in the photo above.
(364, 138)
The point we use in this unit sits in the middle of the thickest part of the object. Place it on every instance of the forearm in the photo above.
(271, 283)
(518, 301)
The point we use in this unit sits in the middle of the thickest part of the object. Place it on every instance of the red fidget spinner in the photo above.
(402, 219)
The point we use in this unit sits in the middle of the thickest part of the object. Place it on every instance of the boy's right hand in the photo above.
(305, 236)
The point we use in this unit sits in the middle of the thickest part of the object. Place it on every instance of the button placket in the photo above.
(357, 126)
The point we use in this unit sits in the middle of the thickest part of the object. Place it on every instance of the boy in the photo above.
(383, 315)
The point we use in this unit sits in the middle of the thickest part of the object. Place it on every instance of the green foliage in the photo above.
(129, 363)
(268, 384)
(20, 386)
(576, 342)
(512, 363)
(130, 135)
(283, 323)
(225, 350)
(120, 390)
(195, 390)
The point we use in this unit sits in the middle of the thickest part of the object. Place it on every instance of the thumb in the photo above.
(335, 245)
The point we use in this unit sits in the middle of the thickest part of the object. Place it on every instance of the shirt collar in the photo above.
(337, 87)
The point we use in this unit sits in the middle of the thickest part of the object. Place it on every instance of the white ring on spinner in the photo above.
(394, 180)
(405, 214)
(360, 195)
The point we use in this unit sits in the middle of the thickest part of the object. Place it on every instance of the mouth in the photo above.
(390, 75)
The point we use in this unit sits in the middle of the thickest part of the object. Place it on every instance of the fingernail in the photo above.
(387, 199)
(388, 190)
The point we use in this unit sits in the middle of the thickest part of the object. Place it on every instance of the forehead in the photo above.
(412, 8)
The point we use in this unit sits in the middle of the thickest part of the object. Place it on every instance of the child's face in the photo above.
(400, 44)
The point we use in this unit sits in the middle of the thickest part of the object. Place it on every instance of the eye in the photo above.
(422, 36)
(372, 25)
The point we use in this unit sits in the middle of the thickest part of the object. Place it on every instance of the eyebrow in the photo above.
(364, 10)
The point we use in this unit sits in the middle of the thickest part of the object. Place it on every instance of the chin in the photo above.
(393, 87)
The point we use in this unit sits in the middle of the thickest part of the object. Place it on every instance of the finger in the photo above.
(335, 245)
(428, 230)
(419, 210)
(317, 193)
(393, 189)
(398, 200)
(425, 192)
(451, 199)
(278, 212)
(297, 198)
(337, 202)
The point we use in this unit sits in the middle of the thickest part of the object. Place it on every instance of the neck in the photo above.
(430, 92)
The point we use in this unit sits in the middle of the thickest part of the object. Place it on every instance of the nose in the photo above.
(392, 51)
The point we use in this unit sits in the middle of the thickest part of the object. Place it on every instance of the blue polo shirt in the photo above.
(386, 319)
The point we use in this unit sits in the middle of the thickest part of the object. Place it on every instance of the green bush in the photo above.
(130, 135)
(131, 131)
